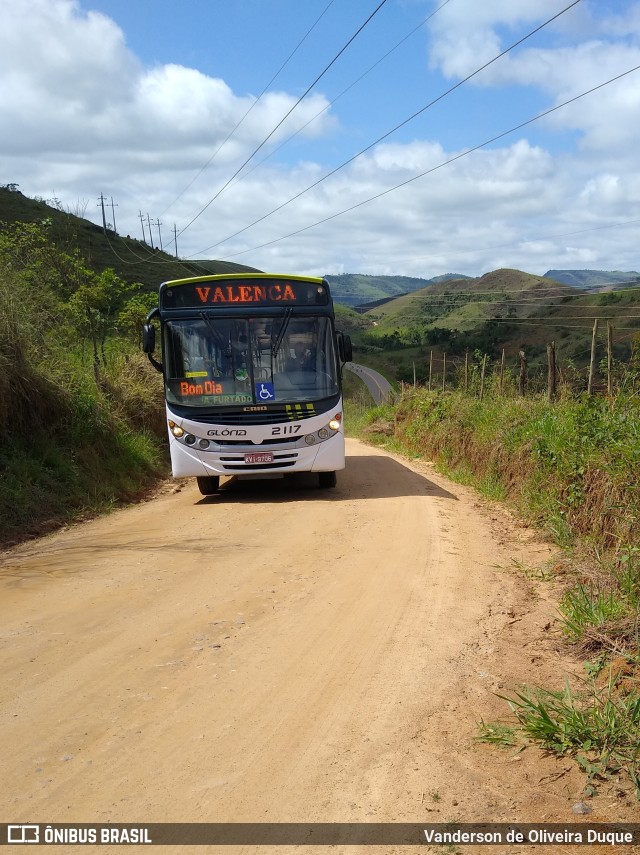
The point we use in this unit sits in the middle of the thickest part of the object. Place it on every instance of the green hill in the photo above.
(463, 304)
(133, 260)
(507, 309)
(359, 289)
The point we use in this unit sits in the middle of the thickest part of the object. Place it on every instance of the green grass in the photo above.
(570, 467)
(51, 477)
(598, 726)
(602, 614)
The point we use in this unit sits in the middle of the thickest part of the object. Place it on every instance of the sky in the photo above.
(334, 136)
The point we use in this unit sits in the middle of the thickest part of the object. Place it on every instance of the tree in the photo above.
(132, 316)
(93, 310)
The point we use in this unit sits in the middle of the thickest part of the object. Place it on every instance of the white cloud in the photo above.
(87, 117)
(78, 87)
(466, 34)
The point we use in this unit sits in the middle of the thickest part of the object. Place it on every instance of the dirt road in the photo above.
(280, 653)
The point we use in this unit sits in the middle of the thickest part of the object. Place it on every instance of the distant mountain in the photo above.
(595, 280)
(359, 289)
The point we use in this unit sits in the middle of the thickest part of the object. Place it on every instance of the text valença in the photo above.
(246, 293)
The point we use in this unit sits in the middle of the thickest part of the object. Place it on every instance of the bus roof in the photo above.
(218, 276)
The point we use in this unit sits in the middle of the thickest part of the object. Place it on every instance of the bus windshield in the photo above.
(213, 361)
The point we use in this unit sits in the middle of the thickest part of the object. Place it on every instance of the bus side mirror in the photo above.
(149, 344)
(345, 348)
(148, 338)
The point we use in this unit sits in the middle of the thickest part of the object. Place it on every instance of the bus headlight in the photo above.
(203, 443)
(190, 439)
(310, 439)
(323, 433)
(175, 429)
(334, 424)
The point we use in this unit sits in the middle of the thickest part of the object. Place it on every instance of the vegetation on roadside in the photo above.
(570, 468)
(81, 409)
(79, 406)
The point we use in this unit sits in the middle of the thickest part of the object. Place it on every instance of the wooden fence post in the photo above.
(444, 370)
(551, 371)
(430, 367)
(592, 360)
(523, 373)
(466, 371)
(609, 359)
(484, 368)
(502, 373)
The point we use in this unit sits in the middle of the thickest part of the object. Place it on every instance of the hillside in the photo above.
(505, 309)
(595, 279)
(133, 260)
(359, 289)
(463, 304)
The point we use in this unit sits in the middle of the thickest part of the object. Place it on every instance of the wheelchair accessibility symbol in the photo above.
(265, 392)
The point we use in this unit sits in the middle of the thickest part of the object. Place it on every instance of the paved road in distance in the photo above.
(378, 386)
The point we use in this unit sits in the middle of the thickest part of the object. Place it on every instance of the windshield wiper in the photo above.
(215, 332)
(275, 347)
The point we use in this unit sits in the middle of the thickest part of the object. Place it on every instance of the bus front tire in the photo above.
(327, 480)
(209, 485)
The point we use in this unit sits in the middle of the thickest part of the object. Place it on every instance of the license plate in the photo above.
(259, 457)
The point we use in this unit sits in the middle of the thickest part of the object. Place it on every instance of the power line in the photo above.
(337, 98)
(576, 291)
(435, 168)
(544, 322)
(397, 127)
(286, 116)
(253, 104)
(605, 317)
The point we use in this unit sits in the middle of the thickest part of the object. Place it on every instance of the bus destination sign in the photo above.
(246, 292)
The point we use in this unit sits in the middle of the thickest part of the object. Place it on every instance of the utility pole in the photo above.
(158, 224)
(175, 238)
(113, 211)
(150, 235)
(141, 215)
(104, 219)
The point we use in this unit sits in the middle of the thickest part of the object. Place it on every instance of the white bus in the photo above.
(252, 368)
